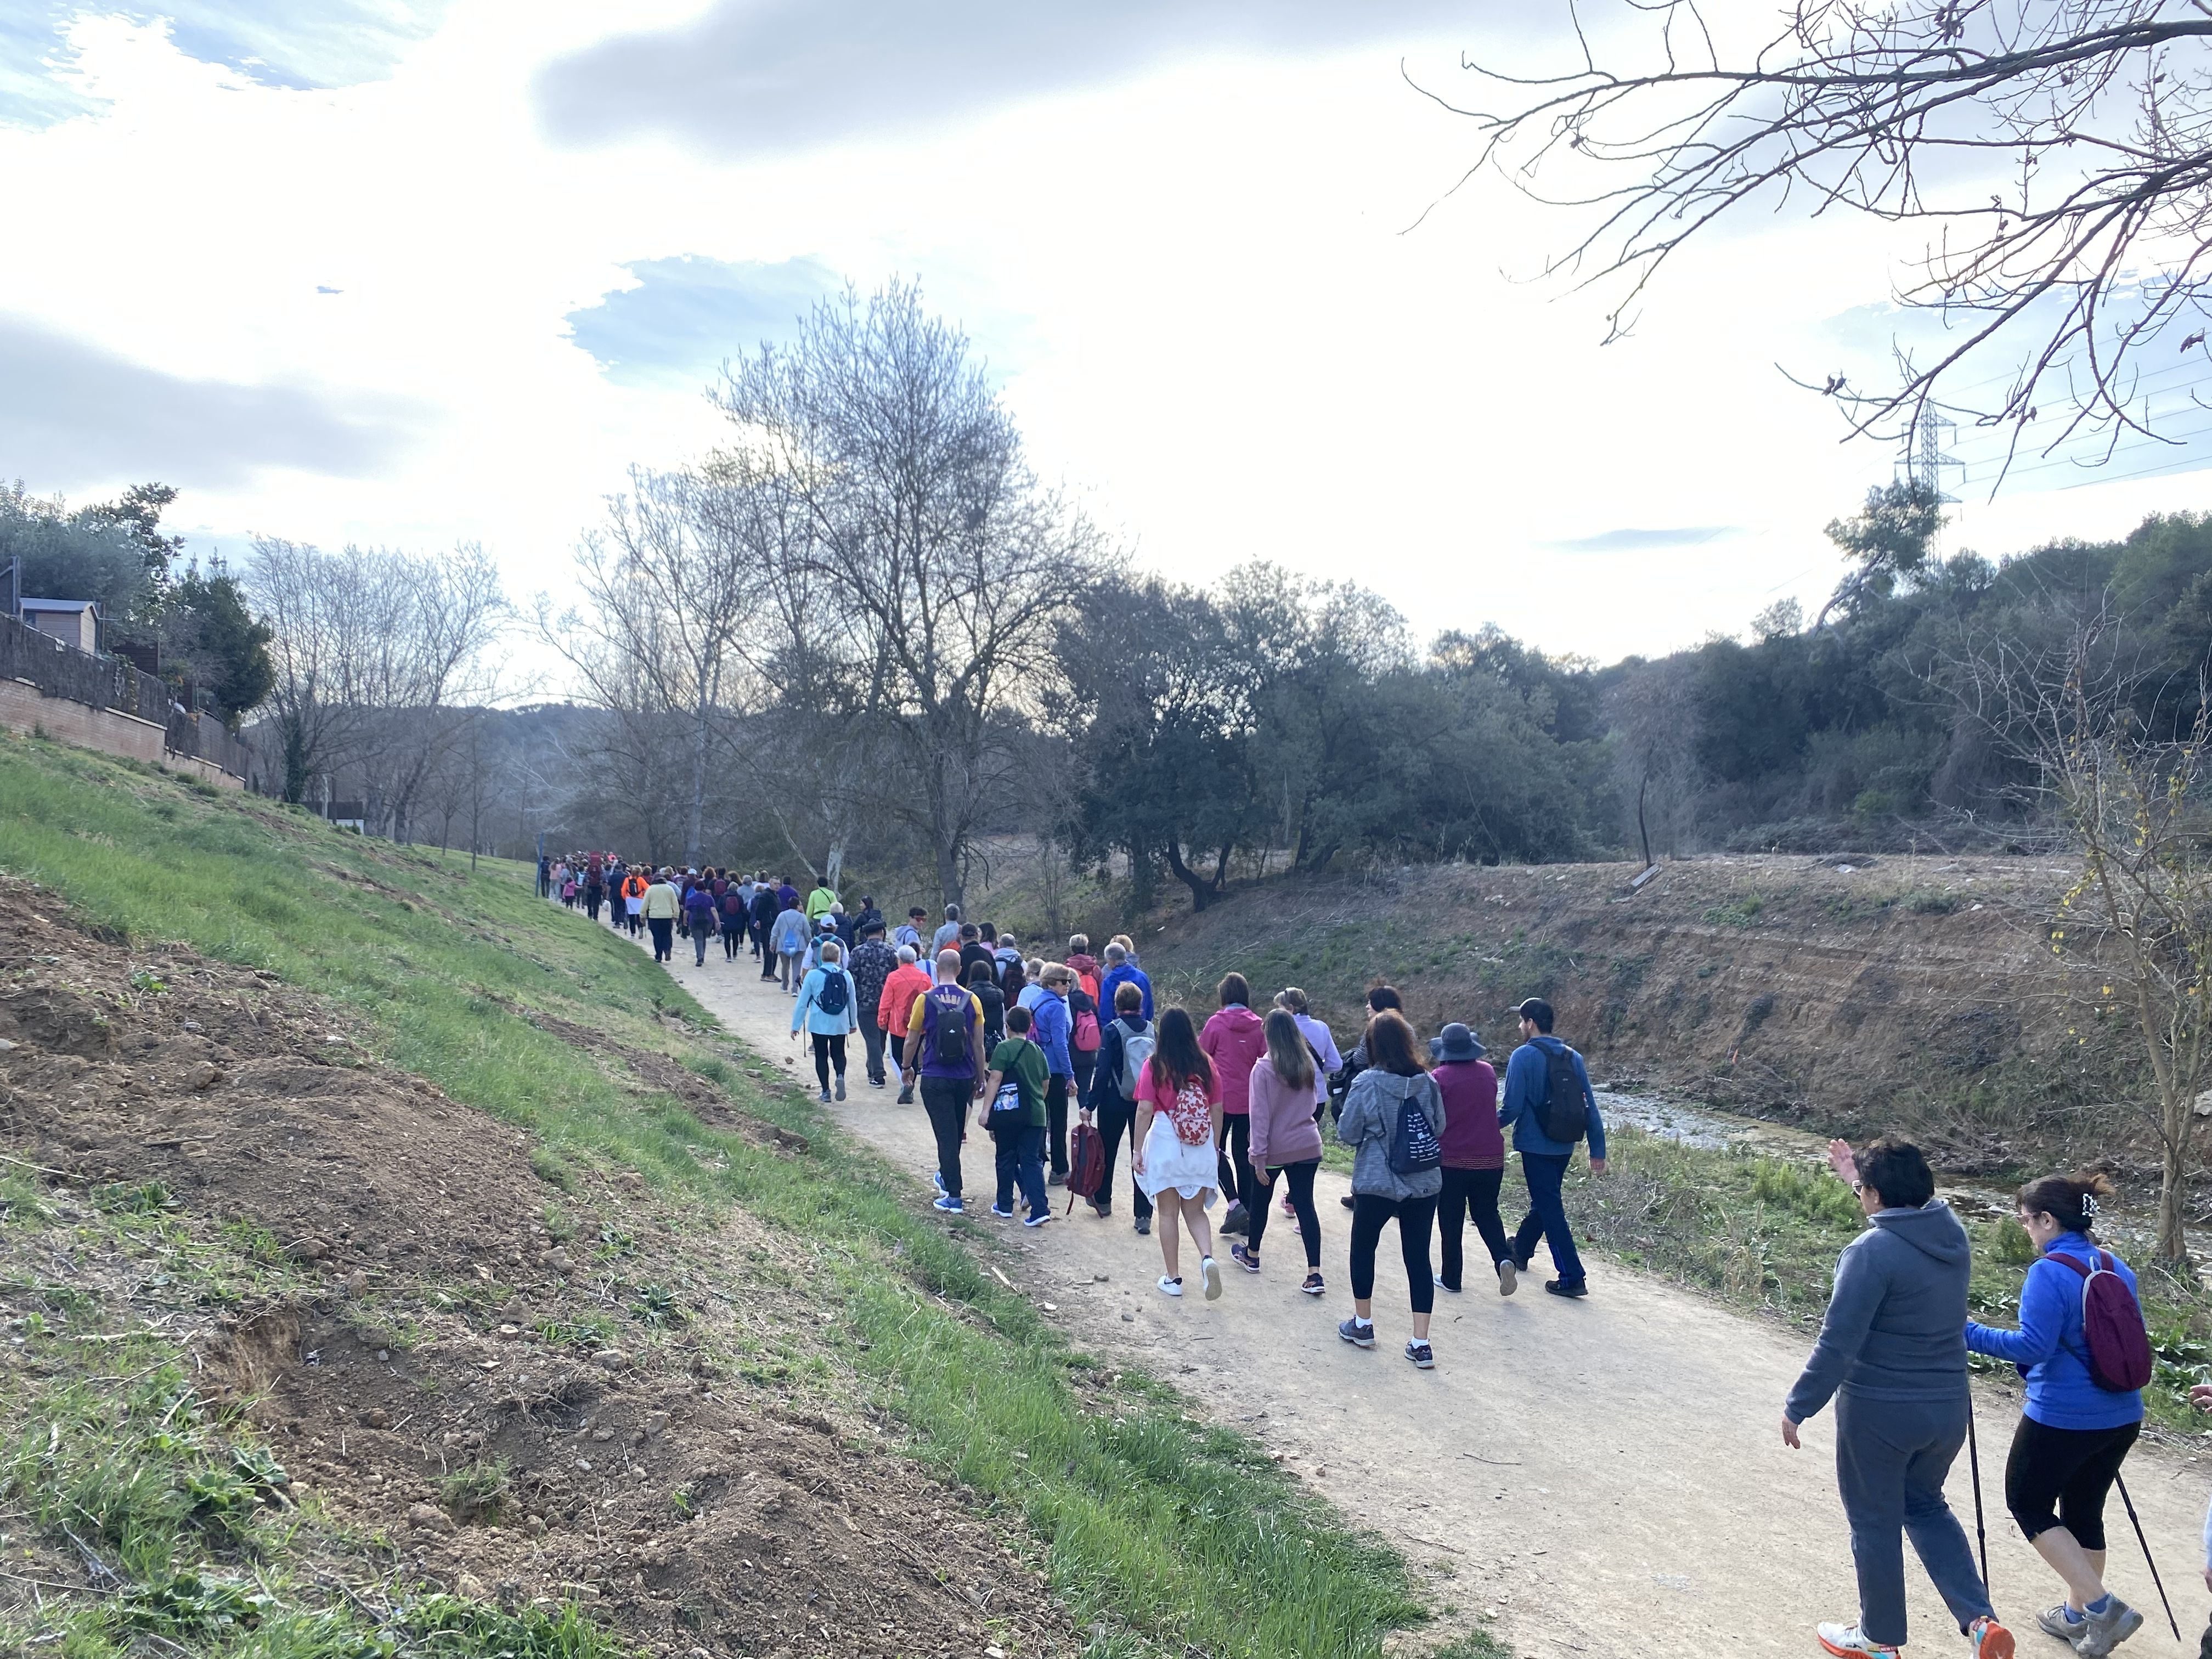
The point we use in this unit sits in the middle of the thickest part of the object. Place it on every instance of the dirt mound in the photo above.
(462, 1360)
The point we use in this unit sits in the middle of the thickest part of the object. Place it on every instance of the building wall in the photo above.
(24, 708)
(79, 627)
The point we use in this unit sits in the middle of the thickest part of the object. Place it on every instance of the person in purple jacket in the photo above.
(702, 919)
(1473, 1154)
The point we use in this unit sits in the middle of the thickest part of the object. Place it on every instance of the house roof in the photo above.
(61, 605)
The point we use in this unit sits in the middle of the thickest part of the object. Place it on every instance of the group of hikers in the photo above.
(1235, 1107)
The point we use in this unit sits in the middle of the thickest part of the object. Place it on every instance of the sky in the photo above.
(418, 273)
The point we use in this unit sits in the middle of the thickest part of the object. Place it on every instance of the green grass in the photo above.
(1163, 1531)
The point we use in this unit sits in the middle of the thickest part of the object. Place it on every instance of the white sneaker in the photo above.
(1211, 1272)
(1170, 1286)
(1846, 1641)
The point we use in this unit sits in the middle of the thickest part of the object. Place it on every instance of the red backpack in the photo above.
(2112, 1326)
(1087, 1164)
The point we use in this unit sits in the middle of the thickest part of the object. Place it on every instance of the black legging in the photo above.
(1235, 1150)
(2060, 1477)
(1369, 1212)
(1118, 1117)
(733, 931)
(1055, 1113)
(829, 1051)
(1301, 1179)
(1469, 1192)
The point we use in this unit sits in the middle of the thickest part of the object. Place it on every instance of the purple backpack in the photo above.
(2111, 1325)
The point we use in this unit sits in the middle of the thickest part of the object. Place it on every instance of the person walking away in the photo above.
(765, 909)
(945, 1054)
(1013, 1113)
(1120, 971)
(948, 936)
(909, 930)
(1083, 1034)
(595, 894)
(872, 965)
(869, 916)
(1394, 1175)
(1474, 1158)
(987, 993)
(789, 936)
(1323, 1040)
(1123, 1047)
(1234, 1040)
(825, 933)
(1006, 949)
(2201, 1397)
(1014, 983)
(825, 1010)
(1550, 1104)
(703, 916)
(2076, 1428)
(1892, 1353)
(1032, 984)
(660, 906)
(974, 951)
(1379, 997)
(1050, 1023)
(819, 900)
(633, 887)
(1178, 1125)
(908, 981)
(734, 913)
(545, 876)
(785, 895)
(1285, 1142)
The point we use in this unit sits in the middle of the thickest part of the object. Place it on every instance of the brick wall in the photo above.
(24, 708)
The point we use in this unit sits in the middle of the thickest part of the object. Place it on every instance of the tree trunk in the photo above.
(695, 826)
(1202, 893)
(2173, 1245)
(833, 865)
(948, 872)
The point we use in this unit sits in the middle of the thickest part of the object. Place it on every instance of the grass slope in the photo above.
(1159, 1531)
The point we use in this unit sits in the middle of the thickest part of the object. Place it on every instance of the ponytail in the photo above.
(2073, 1201)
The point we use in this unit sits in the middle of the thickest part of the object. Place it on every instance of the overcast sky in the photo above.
(415, 272)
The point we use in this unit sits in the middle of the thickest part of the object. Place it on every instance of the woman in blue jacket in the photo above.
(826, 999)
(2074, 1434)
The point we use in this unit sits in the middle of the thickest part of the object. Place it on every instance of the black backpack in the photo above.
(1413, 1145)
(947, 1021)
(831, 997)
(1565, 1115)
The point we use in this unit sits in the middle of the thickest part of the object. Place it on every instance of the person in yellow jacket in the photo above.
(662, 904)
(819, 900)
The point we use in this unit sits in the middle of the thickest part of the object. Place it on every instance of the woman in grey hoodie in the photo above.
(1395, 1075)
(1892, 1355)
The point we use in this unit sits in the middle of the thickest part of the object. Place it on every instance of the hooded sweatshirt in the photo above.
(1897, 1320)
(1284, 1131)
(1234, 1040)
(1370, 1122)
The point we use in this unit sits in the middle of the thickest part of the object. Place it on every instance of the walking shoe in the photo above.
(2061, 1621)
(1055, 1179)
(1847, 1642)
(937, 1179)
(1313, 1287)
(1359, 1335)
(1509, 1278)
(1170, 1286)
(2101, 1631)
(1244, 1258)
(1423, 1355)
(841, 1085)
(906, 1097)
(1560, 1287)
(824, 1097)
(1210, 1270)
(1441, 1285)
(1521, 1262)
(1143, 1226)
(1003, 1215)
(1346, 1201)
(1038, 1219)
(949, 1205)
(1104, 1211)
(1289, 1208)
(1234, 1221)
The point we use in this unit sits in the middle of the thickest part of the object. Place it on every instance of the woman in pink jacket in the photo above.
(1234, 1041)
(1285, 1141)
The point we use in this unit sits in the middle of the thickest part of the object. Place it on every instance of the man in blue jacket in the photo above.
(1120, 971)
(1543, 1160)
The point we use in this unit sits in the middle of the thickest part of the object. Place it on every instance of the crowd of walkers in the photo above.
(1235, 1107)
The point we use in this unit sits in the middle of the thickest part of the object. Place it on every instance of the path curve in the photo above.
(1607, 1475)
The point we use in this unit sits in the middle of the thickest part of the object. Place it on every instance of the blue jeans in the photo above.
(1891, 1458)
(1021, 1158)
(1548, 1214)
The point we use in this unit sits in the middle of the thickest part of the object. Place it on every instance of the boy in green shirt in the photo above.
(1014, 1112)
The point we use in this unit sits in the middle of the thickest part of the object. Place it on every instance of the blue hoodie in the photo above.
(1528, 1080)
(1895, 1324)
(2061, 1392)
(1050, 1031)
(1114, 976)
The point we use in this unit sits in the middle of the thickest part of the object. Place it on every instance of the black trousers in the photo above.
(732, 933)
(1055, 1111)
(1469, 1193)
(1116, 1118)
(1236, 1160)
(1414, 1216)
(1300, 1180)
(664, 938)
(872, 1039)
(2061, 1477)
(946, 1100)
(829, 1051)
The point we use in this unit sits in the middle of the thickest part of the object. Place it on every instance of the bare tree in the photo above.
(2055, 150)
(934, 567)
(2136, 805)
(311, 711)
(1654, 713)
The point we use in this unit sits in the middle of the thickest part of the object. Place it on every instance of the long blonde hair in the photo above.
(1287, 1052)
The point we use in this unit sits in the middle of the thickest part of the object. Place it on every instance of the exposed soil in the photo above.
(435, 1324)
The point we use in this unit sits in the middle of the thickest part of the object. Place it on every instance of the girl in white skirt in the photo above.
(1178, 1126)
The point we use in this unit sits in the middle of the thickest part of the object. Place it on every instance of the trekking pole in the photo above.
(1974, 1462)
(2145, 1542)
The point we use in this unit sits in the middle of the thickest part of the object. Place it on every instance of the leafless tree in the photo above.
(2136, 805)
(934, 565)
(2058, 153)
(1654, 713)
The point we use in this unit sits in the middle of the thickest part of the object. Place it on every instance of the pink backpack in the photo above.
(2112, 1326)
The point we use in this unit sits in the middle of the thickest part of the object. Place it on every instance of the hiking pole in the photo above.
(1974, 1462)
(2145, 1542)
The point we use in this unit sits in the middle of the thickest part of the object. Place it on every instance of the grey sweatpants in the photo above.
(1892, 1457)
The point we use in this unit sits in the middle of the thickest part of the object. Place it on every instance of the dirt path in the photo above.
(1607, 1475)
